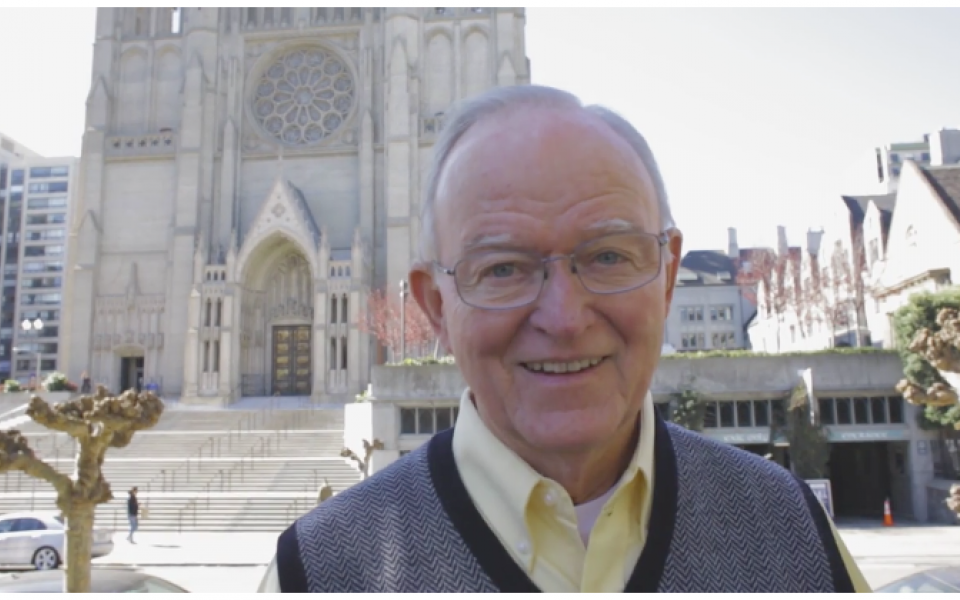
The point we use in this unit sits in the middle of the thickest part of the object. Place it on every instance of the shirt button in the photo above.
(523, 547)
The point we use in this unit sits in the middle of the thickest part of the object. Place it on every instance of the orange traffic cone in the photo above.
(887, 516)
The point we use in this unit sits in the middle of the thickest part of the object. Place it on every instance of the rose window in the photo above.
(304, 96)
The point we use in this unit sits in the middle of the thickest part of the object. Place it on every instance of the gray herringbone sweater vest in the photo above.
(723, 520)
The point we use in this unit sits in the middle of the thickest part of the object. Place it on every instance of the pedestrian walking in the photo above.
(133, 513)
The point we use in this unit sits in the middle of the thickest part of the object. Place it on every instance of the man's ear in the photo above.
(427, 294)
(672, 266)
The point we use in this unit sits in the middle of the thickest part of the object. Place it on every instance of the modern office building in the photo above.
(34, 205)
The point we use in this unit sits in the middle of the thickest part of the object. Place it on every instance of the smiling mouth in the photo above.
(560, 368)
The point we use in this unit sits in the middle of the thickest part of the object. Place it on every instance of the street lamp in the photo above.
(35, 325)
(403, 320)
(28, 325)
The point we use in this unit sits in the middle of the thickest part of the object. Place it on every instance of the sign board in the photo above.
(824, 493)
(739, 436)
(867, 434)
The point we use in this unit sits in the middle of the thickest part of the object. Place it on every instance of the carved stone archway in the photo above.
(276, 321)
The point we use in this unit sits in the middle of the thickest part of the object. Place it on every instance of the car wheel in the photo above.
(46, 558)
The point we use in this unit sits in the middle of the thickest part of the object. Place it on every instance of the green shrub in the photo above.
(56, 382)
(921, 311)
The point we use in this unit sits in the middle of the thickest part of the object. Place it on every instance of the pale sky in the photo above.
(756, 115)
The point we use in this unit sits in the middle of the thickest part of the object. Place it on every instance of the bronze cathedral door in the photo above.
(292, 367)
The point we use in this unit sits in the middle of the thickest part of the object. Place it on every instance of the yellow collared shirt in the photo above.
(536, 522)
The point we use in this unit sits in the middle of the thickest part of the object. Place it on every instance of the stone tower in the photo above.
(248, 176)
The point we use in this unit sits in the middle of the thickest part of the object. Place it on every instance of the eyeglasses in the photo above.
(505, 279)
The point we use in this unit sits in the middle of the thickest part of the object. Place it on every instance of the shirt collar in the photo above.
(476, 448)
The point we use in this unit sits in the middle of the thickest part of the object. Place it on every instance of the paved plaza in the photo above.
(235, 562)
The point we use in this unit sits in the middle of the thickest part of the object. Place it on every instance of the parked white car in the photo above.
(37, 539)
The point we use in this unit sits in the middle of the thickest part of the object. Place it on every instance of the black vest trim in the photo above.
(483, 543)
(663, 514)
(842, 584)
(497, 563)
(293, 579)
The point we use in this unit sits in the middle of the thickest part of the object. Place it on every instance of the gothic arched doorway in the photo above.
(276, 323)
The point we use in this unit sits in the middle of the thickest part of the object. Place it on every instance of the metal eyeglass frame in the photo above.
(662, 240)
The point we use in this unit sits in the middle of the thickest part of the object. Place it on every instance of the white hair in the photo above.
(472, 111)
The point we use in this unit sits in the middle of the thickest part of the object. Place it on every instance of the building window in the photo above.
(827, 415)
(427, 421)
(721, 313)
(691, 341)
(47, 219)
(878, 410)
(691, 314)
(47, 187)
(45, 203)
(724, 339)
(728, 416)
(40, 172)
(861, 411)
(895, 406)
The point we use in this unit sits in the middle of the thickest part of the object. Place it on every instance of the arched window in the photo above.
(333, 309)
(333, 354)
(344, 312)
(343, 353)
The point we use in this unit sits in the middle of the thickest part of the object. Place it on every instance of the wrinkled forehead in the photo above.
(542, 164)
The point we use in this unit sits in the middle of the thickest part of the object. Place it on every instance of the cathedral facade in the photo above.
(248, 176)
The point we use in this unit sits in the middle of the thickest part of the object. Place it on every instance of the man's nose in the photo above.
(563, 309)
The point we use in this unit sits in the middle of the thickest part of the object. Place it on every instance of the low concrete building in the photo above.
(877, 449)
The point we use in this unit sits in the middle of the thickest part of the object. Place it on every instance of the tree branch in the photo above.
(16, 455)
(61, 417)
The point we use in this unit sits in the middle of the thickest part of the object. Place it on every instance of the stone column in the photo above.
(319, 341)
(191, 354)
(228, 357)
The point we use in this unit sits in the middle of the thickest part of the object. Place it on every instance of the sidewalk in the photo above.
(919, 544)
(914, 545)
(155, 549)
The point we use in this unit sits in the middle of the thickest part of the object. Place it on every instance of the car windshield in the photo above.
(922, 583)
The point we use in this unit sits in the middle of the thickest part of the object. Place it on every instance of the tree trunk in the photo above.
(78, 548)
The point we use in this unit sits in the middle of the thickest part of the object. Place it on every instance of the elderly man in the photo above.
(548, 264)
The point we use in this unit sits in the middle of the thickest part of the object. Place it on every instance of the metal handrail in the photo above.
(263, 445)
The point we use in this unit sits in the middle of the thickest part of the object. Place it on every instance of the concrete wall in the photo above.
(370, 421)
(755, 377)
(719, 378)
